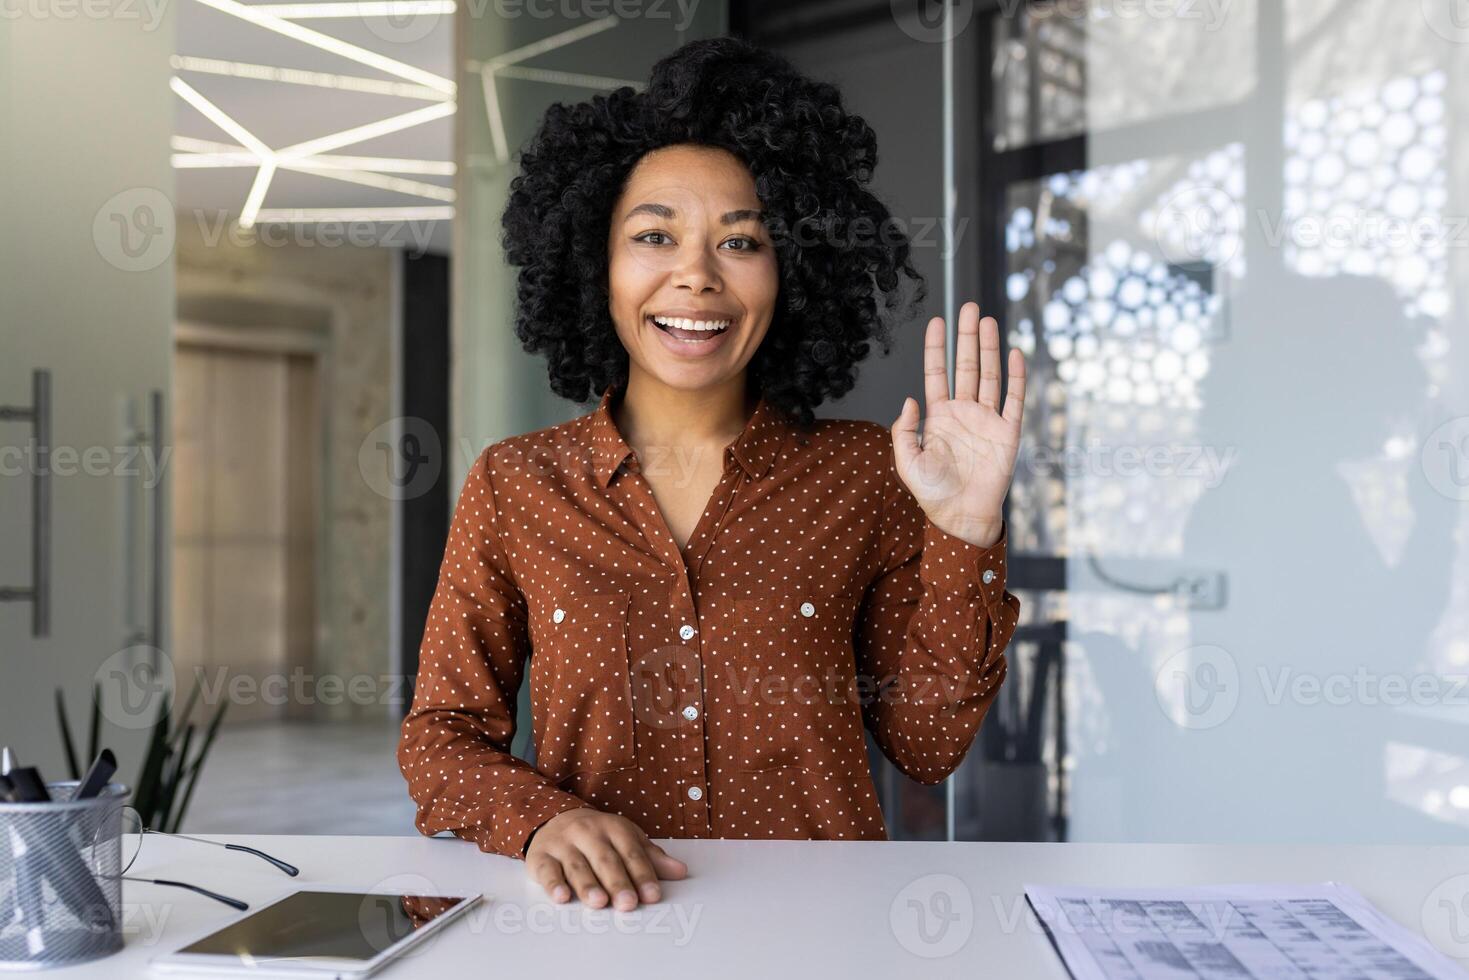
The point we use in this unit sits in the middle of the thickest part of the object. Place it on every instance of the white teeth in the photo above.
(685, 324)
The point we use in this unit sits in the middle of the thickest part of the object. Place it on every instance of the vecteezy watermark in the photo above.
(937, 21)
(680, 12)
(217, 225)
(1364, 687)
(1342, 229)
(150, 12)
(1449, 19)
(1198, 687)
(401, 459)
(1205, 464)
(401, 903)
(1445, 458)
(134, 230)
(932, 916)
(98, 461)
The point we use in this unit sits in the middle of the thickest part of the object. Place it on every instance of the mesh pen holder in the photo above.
(60, 878)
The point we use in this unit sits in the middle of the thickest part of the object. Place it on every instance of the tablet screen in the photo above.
(319, 924)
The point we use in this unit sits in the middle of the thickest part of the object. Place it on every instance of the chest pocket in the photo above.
(799, 697)
(581, 694)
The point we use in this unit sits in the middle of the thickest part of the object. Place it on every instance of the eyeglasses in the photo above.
(132, 831)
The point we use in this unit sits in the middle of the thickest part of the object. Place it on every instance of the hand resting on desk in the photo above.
(599, 854)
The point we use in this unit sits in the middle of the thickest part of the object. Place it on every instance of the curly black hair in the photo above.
(842, 256)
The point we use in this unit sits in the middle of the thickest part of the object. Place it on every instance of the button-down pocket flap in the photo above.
(580, 687)
(798, 677)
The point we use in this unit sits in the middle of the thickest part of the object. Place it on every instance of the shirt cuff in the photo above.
(953, 565)
(525, 816)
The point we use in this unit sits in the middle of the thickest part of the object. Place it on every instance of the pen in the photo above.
(97, 776)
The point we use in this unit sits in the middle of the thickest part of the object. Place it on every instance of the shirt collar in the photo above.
(755, 449)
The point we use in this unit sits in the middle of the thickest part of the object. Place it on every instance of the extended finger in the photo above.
(1015, 389)
(935, 368)
(966, 354)
(989, 363)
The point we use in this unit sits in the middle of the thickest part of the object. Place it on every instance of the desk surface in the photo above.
(765, 908)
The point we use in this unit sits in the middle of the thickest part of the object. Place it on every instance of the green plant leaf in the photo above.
(66, 743)
(145, 799)
(94, 729)
(169, 819)
(198, 763)
(183, 716)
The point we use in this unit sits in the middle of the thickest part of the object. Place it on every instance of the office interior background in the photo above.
(256, 326)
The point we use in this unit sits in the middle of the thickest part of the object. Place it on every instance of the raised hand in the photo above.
(961, 471)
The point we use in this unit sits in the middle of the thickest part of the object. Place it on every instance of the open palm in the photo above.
(960, 472)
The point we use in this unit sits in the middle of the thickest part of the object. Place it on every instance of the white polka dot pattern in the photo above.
(718, 690)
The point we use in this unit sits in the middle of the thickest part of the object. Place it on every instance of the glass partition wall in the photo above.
(1228, 240)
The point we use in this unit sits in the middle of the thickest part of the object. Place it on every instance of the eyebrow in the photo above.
(664, 211)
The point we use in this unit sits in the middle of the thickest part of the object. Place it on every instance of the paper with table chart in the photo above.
(1321, 932)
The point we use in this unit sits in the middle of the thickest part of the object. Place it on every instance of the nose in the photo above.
(697, 270)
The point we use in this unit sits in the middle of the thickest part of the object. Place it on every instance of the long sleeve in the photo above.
(931, 635)
(454, 747)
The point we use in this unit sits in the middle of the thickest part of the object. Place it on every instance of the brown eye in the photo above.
(650, 234)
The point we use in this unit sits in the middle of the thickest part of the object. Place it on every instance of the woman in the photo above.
(716, 592)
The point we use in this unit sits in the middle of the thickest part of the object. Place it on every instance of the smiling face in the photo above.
(692, 276)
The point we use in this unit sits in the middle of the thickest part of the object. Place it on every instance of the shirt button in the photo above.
(695, 793)
(691, 712)
(988, 576)
(808, 610)
(558, 615)
(686, 632)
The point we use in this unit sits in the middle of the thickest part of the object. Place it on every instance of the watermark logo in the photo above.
(659, 679)
(1445, 917)
(1449, 19)
(1198, 687)
(932, 21)
(133, 684)
(395, 907)
(401, 459)
(404, 21)
(1196, 223)
(933, 916)
(1445, 458)
(134, 230)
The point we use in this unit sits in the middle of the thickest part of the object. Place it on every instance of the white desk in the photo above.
(767, 908)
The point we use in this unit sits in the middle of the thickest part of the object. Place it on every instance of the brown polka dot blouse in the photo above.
(718, 691)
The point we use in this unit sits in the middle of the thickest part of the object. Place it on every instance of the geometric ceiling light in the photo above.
(347, 8)
(332, 45)
(506, 65)
(311, 156)
(316, 79)
(196, 153)
(298, 156)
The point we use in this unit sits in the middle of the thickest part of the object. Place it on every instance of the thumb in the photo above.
(905, 436)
